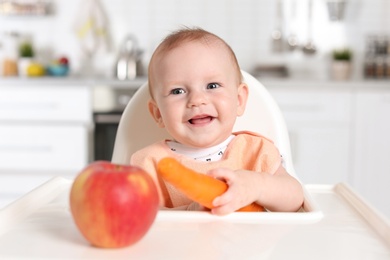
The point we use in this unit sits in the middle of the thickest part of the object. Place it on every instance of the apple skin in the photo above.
(64, 61)
(113, 205)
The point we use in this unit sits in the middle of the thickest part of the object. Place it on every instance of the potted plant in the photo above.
(341, 66)
(26, 54)
(26, 50)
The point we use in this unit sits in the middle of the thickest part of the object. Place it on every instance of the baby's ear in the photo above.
(155, 112)
(242, 95)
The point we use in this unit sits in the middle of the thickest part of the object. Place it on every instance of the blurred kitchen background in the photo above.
(248, 26)
(67, 69)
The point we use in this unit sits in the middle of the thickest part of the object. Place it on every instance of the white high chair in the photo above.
(137, 128)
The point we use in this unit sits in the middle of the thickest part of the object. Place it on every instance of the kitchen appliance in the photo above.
(108, 105)
(128, 65)
(336, 9)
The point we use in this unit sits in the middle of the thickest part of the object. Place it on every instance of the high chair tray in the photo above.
(335, 223)
(58, 188)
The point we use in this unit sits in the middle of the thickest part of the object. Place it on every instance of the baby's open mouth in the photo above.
(203, 119)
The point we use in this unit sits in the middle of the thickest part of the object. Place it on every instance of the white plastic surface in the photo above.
(40, 226)
(48, 192)
(309, 213)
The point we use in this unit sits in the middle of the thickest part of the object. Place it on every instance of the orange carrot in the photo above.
(198, 187)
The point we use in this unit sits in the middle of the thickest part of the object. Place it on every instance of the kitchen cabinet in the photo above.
(372, 147)
(339, 132)
(319, 124)
(43, 147)
(45, 131)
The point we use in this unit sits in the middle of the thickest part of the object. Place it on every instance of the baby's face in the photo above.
(197, 93)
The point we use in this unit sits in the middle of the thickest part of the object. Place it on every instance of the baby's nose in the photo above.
(197, 98)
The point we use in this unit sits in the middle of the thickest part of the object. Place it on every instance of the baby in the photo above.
(197, 92)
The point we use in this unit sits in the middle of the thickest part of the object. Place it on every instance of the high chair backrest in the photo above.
(138, 129)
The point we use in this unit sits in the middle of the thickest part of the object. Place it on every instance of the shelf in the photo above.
(24, 9)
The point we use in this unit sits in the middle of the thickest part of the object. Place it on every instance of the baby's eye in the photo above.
(177, 91)
(213, 85)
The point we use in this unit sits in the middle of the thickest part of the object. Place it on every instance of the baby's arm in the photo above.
(277, 192)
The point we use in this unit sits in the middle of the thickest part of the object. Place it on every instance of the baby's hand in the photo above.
(243, 190)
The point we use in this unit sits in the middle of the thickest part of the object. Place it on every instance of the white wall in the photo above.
(245, 24)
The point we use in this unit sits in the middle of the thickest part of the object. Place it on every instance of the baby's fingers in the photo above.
(222, 174)
(223, 204)
(223, 199)
(223, 210)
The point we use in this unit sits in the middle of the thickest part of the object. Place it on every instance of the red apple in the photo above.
(113, 205)
(63, 61)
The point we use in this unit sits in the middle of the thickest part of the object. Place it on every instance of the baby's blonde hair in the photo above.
(185, 35)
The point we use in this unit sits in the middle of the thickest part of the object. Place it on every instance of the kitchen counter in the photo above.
(41, 224)
(61, 81)
(324, 84)
(268, 82)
